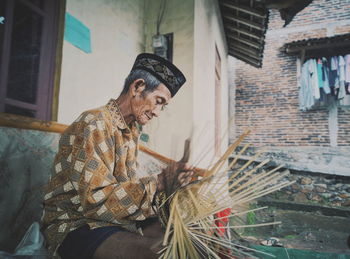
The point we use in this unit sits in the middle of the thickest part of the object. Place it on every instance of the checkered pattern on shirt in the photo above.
(95, 179)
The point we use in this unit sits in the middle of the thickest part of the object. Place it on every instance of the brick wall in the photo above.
(267, 98)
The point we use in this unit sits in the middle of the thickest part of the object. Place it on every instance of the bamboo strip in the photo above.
(258, 184)
(245, 175)
(228, 152)
(231, 215)
(230, 244)
(246, 164)
(250, 192)
(241, 169)
(234, 161)
(210, 145)
(268, 191)
(265, 192)
(244, 226)
(210, 250)
(169, 224)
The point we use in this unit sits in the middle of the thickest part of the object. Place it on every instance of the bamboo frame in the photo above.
(22, 122)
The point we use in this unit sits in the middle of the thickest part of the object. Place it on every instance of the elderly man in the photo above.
(96, 206)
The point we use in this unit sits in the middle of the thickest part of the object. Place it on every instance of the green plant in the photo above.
(251, 218)
(291, 237)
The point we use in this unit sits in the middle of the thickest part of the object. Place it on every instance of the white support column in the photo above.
(333, 123)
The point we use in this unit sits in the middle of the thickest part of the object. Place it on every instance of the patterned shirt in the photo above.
(95, 180)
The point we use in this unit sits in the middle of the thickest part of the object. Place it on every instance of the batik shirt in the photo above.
(95, 179)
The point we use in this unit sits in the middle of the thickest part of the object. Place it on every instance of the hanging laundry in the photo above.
(347, 73)
(325, 75)
(314, 78)
(341, 74)
(324, 80)
(345, 101)
(319, 73)
(333, 75)
(306, 91)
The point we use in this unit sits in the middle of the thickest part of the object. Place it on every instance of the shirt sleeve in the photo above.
(101, 195)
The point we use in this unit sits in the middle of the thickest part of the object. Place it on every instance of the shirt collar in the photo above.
(117, 117)
(119, 122)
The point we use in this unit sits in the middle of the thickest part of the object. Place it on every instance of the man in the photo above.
(95, 204)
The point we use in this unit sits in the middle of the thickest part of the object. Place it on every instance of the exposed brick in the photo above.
(266, 99)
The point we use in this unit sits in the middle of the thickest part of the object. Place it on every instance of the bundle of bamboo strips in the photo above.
(191, 231)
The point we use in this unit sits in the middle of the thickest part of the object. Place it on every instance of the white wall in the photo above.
(122, 29)
(232, 96)
(197, 28)
(90, 80)
(208, 32)
(169, 131)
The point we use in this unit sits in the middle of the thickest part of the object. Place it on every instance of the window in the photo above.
(28, 41)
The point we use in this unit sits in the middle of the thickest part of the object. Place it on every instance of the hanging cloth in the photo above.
(325, 76)
(341, 73)
(314, 78)
(319, 73)
(347, 73)
(333, 74)
(306, 92)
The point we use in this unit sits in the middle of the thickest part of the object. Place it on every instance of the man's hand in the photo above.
(175, 175)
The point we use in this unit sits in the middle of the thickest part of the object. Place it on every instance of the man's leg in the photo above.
(123, 245)
(130, 245)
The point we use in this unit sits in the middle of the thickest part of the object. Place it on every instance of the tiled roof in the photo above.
(317, 43)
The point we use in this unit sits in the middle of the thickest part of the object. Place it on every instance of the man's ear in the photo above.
(137, 87)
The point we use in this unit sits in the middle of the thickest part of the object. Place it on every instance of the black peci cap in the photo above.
(162, 69)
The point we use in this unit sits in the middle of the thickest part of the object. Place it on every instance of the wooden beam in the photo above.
(246, 60)
(244, 55)
(244, 9)
(245, 48)
(246, 52)
(243, 31)
(249, 23)
(245, 41)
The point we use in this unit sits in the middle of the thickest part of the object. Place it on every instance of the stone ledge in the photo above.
(326, 211)
(326, 160)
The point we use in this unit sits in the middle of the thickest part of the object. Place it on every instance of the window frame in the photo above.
(49, 60)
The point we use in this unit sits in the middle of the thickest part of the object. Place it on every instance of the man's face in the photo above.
(146, 105)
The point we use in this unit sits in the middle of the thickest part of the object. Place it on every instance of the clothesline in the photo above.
(324, 78)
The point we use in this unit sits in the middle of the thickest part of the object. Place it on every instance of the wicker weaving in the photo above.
(188, 213)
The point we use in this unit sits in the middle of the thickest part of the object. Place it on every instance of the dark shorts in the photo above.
(83, 242)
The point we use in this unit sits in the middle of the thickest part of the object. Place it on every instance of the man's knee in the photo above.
(153, 229)
(126, 245)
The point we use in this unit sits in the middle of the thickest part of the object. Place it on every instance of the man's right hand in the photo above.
(175, 175)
